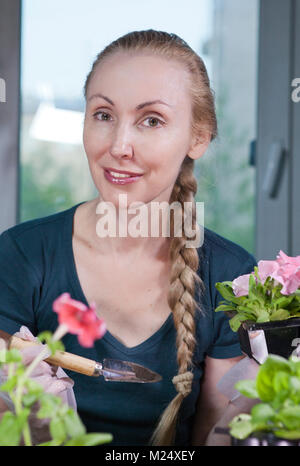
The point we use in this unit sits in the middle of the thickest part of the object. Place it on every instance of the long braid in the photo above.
(184, 277)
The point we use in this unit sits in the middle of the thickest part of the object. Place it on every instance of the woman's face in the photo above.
(124, 132)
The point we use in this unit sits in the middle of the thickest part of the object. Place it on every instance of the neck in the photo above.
(120, 232)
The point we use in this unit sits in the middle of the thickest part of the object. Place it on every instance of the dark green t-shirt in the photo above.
(37, 265)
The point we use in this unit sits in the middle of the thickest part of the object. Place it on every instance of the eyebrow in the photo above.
(139, 107)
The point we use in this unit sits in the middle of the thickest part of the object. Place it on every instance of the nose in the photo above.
(121, 144)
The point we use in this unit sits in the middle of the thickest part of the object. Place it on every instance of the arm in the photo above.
(213, 408)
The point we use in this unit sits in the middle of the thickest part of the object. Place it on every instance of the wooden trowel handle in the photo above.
(60, 358)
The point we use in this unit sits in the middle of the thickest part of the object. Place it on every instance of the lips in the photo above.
(122, 172)
(116, 178)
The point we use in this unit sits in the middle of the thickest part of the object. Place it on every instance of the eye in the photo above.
(154, 122)
(98, 115)
(153, 119)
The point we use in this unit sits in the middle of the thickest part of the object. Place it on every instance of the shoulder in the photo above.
(221, 259)
(27, 232)
(32, 240)
(37, 226)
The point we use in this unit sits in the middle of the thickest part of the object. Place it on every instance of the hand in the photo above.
(53, 380)
(246, 368)
(238, 406)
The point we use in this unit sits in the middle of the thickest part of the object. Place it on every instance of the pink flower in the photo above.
(287, 273)
(79, 319)
(267, 269)
(240, 285)
(283, 259)
(284, 270)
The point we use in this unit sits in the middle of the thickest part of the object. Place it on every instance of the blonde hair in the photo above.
(184, 261)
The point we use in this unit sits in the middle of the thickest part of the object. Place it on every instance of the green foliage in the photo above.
(11, 427)
(38, 197)
(277, 386)
(65, 425)
(46, 337)
(264, 302)
(228, 211)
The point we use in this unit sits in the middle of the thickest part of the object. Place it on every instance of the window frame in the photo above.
(10, 34)
(277, 118)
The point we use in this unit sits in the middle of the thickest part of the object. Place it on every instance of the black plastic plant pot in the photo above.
(280, 337)
(258, 439)
(264, 439)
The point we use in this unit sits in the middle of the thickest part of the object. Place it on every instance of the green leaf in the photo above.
(3, 355)
(225, 308)
(240, 300)
(89, 440)
(282, 302)
(295, 384)
(247, 310)
(10, 432)
(281, 381)
(55, 346)
(13, 355)
(263, 316)
(262, 413)
(33, 387)
(73, 425)
(57, 429)
(29, 399)
(235, 322)
(46, 337)
(288, 434)
(22, 417)
(247, 388)
(290, 417)
(10, 384)
(295, 365)
(252, 294)
(225, 290)
(49, 405)
(256, 273)
(280, 314)
(50, 443)
(241, 426)
(266, 374)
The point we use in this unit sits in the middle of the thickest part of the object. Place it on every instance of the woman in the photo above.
(150, 113)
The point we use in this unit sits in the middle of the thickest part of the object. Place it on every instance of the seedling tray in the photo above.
(280, 337)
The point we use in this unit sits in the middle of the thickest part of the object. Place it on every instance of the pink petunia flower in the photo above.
(287, 273)
(284, 270)
(80, 319)
(283, 259)
(240, 285)
(266, 269)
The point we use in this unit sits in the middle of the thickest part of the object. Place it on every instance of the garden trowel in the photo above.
(112, 370)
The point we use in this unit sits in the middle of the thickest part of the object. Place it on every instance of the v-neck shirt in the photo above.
(37, 265)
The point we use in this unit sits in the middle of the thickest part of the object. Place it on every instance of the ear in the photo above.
(199, 145)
